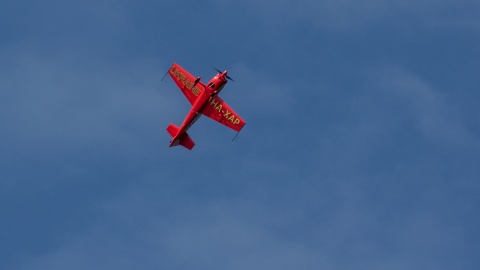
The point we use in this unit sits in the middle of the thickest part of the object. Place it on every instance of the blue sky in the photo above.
(361, 148)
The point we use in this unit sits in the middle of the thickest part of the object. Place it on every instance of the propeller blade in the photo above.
(219, 71)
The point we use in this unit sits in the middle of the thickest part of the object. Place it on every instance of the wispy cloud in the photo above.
(434, 116)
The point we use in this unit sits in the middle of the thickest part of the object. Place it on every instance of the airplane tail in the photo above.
(184, 140)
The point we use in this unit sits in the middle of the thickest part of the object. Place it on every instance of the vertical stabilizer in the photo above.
(187, 142)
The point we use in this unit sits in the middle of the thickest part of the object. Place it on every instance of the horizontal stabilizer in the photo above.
(173, 130)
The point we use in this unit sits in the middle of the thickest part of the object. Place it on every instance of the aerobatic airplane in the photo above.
(204, 100)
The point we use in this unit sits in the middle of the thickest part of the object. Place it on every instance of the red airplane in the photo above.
(204, 100)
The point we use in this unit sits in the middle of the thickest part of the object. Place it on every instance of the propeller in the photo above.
(228, 77)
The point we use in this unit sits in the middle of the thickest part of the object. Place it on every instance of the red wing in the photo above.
(218, 110)
(189, 85)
